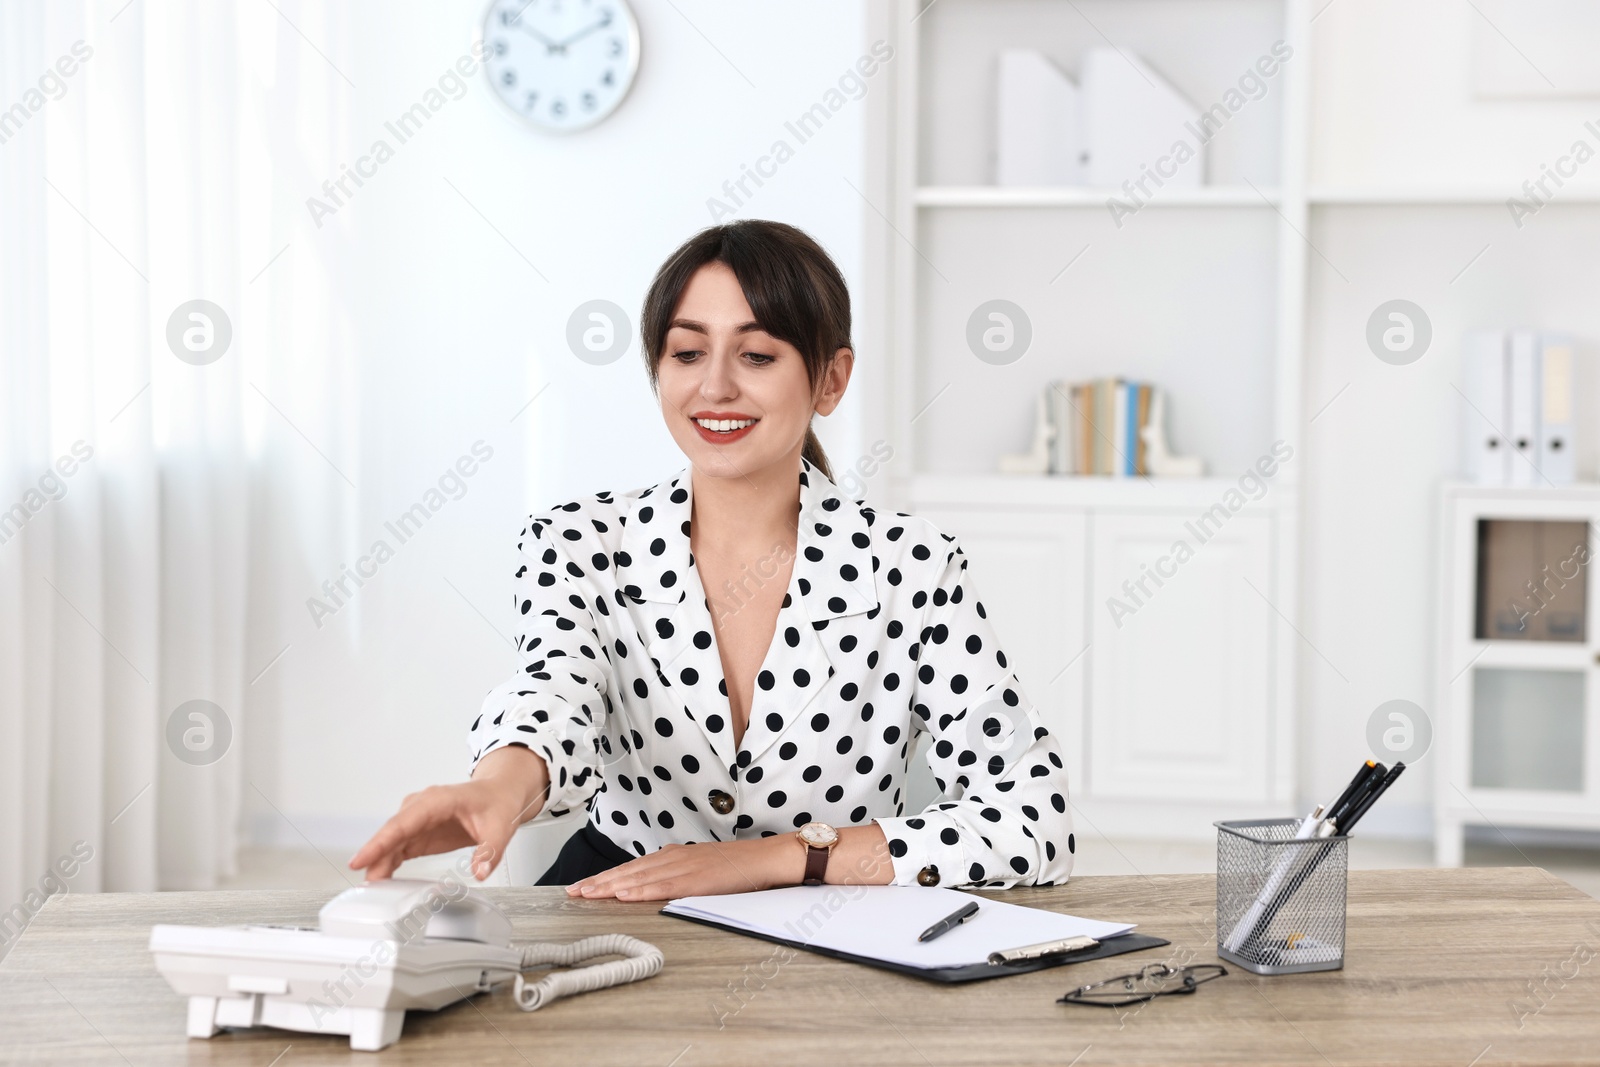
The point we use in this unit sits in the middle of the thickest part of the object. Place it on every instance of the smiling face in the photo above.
(737, 400)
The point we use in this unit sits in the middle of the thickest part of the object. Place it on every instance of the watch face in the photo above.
(561, 64)
(818, 834)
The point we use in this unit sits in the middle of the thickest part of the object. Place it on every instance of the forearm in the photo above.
(860, 858)
(520, 772)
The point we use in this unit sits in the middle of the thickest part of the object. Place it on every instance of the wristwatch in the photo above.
(818, 839)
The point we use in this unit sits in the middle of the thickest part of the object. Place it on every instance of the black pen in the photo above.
(1341, 815)
(1355, 783)
(951, 921)
(1371, 798)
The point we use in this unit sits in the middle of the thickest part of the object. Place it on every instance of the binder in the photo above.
(1524, 408)
(1038, 138)
(1556, 457)
(1486, 418)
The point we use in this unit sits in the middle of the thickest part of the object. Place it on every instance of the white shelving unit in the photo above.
(1217, 295)
(1519, 733)
(1057, 196)
(1429, 196)
(1182, 712)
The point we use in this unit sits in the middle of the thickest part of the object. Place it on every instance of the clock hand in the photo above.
(547, 42)
(586, 31)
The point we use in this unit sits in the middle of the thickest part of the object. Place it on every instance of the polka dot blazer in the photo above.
(880, 638)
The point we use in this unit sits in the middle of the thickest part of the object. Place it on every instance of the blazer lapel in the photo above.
(832, 579)
(656, 569)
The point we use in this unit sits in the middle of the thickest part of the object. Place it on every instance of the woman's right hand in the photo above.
(508, 787)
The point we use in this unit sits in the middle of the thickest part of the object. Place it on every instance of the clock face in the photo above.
(561, 64)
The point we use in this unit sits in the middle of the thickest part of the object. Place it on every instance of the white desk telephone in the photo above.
(380, 949)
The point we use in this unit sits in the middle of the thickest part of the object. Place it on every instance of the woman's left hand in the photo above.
(702, 869)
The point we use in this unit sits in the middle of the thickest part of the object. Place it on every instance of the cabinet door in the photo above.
(1028, 571)
(1180, 704)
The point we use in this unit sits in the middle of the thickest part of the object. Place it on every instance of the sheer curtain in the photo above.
(144, 171)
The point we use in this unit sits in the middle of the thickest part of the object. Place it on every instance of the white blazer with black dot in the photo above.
(879, 638)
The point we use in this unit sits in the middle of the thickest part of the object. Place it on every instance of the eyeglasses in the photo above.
(1155, 980)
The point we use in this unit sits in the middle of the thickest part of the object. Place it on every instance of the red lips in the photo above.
(722, 437)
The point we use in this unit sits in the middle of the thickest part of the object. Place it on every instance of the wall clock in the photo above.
(562, 65)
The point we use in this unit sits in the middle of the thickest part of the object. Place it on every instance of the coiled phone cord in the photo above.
(641, 960)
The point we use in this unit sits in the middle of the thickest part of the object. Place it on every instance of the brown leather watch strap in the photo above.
(816, 864)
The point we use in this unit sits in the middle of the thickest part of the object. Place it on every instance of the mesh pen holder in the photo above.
(1280, 901)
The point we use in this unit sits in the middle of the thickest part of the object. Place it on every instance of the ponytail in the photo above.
(812, 453)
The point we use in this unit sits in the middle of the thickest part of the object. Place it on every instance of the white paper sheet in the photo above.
(883, 921)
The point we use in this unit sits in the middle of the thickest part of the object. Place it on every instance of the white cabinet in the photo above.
(1517, 743)
(1024, 568)
(1181, 693)
(1155, 666)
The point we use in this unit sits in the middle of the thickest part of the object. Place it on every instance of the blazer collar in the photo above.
(833, 563)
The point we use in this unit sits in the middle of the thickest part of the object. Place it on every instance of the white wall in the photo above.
(1392, 100)
(1393, 106)
(457, 331)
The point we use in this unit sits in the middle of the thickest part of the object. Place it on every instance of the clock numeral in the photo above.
(509, 78)
(616, 46)
(558, 107)
(588, 101)
(500, 47)
(532, 97)
(508, 18)
(605, 17)
(607, 78)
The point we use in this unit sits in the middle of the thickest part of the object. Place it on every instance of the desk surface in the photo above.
(1440, 965)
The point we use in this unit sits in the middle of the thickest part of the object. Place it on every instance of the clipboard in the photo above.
(974, 972)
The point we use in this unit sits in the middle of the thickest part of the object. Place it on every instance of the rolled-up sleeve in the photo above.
(556, 704)
(1004, 818)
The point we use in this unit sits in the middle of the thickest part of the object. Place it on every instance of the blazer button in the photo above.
(721, 801)
(929, 875)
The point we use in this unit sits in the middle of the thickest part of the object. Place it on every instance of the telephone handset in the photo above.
(379, 909)
(379, 950)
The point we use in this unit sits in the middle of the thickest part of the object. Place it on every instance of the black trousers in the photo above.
(586, 853)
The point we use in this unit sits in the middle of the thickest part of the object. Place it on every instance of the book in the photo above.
(1105, 402)
(1083, 412)
(1119, 429)
(1098, 427)
(1140, 466)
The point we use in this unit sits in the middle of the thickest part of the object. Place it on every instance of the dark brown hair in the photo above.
(794, 290)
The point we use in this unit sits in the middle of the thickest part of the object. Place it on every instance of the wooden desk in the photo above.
(1436, 964)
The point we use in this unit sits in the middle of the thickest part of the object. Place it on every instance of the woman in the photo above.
(730, 670)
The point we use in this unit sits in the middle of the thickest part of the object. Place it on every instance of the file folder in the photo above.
(1132, 116)
(1485, 419)
(1556, 454)
(1038, 140)
(1524, 408)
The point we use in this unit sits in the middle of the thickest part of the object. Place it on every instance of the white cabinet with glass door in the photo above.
(1517, 743)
